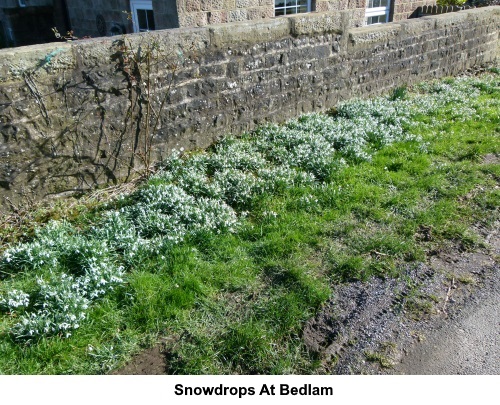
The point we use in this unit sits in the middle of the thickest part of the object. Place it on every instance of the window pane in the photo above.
(288, 7)
(142, 20)
(377, 19)
(151, 20)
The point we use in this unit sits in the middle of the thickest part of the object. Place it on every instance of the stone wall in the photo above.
(74, 115)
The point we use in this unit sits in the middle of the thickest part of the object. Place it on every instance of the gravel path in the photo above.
(467, 343)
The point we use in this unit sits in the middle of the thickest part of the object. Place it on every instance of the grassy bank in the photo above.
(227, 253)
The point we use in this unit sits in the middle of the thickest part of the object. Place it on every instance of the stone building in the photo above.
(111, 17)
(27, 22)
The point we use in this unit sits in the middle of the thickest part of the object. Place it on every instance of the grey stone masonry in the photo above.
(74, 116)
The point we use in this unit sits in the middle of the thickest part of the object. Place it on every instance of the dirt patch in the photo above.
(152, 361)
(491, 159)
(369, 328)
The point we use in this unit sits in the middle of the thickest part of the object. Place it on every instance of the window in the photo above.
(22, 3)
(142, 15)
(377, 11)
(287, 7)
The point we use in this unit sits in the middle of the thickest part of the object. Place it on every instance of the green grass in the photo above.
(237, 303)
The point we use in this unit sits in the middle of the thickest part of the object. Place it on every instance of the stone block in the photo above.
(316, 23)
(366, 36)
(237, 15)
(417, 26)
(217, 17)
(193, 5)
(254, 32)
(195, 19)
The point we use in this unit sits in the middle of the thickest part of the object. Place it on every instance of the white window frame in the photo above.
(285, 7)
(377, 11)
(22, 3)
(139, 5)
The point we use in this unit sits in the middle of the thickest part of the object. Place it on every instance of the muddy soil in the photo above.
(152, 361)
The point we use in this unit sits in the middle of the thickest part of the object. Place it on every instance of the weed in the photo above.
(466, 279)
(399, 93)
(419, 307)
(379, 358)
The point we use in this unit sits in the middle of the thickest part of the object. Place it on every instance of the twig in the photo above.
(28, 79)
(448, 294)
(379, 253)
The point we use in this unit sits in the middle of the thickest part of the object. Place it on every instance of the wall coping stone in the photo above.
(363, 37)
(251, 32)
(316, 23)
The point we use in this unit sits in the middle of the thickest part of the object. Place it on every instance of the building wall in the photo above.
(29, 3)
(403, 9)
(30, 24)
(166, 13)
(4, 25)
(84, 16)
(68, 120)
(197, 13)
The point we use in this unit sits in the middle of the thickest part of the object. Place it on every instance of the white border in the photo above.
(372, 390)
